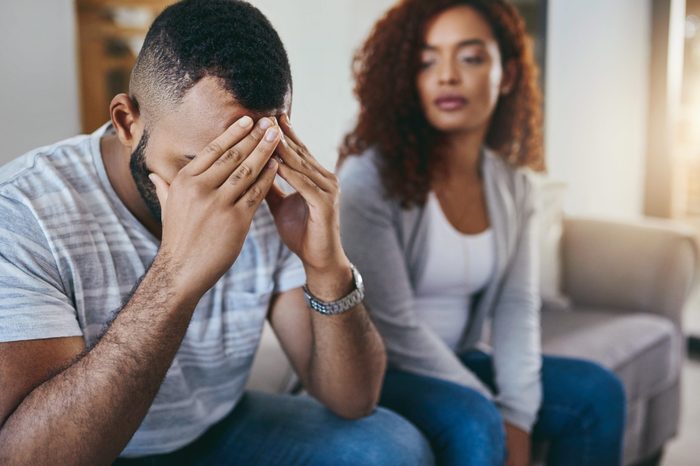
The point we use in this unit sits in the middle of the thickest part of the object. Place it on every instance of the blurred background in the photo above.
(621, 80)
(63, 60)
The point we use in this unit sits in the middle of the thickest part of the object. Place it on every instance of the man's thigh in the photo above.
(267, 429)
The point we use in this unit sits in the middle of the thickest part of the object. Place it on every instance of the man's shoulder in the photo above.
(55, 192)
(47, 168)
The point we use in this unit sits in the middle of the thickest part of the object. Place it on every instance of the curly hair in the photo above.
(227, 39)
(391, 118)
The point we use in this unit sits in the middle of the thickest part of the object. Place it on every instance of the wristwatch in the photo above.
(345, 303)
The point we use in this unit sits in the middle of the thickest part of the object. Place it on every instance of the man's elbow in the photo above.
(354, 409)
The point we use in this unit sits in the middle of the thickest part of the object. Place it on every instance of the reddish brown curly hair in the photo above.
(391, 118)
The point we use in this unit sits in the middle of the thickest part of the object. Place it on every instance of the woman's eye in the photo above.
(426, 64)
(472, 59)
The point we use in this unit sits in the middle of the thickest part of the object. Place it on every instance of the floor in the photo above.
(684, 450)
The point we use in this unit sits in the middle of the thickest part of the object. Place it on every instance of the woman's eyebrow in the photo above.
(464, 43)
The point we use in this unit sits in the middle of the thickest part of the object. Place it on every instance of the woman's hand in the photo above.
(517, 446)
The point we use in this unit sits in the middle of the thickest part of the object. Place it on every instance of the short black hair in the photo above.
(226, 39)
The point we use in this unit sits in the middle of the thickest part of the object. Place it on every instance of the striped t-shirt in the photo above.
(70, 253)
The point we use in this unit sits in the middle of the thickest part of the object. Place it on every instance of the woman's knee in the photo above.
(476, 417)
(603, 396)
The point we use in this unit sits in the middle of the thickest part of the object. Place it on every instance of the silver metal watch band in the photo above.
(343, 304)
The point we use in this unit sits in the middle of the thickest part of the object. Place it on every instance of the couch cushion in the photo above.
(642, 349)
(271, 371)
(550, 216)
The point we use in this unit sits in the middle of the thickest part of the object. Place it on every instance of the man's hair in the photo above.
(226, 39)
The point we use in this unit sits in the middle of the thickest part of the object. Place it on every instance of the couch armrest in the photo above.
(642, 266)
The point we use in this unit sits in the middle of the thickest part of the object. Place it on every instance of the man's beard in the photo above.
(140, 172)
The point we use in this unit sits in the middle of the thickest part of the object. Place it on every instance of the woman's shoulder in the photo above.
(363, 164)
(522, 182)
(359, 175)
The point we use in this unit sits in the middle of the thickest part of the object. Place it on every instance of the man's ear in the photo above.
(510, 76)
(126, 120)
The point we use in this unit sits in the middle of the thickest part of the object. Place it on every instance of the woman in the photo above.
(437, 212)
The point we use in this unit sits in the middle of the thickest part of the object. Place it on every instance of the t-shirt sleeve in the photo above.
(289, 273)
(33, 301)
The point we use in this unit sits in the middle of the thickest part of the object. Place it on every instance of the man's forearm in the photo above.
(348, 359)
(86, 413)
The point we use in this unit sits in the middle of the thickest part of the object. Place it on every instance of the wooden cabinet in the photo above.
(110, 35)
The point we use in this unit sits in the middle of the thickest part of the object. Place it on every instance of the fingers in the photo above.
(255, 194)
(307, 166)
(310, 191)
(161, 190)
(218, 146)
(286, 125)
(250, 168)
(232, 157)
(297, 156)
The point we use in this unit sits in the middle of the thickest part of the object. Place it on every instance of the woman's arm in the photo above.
(516, 320)
(370, 241)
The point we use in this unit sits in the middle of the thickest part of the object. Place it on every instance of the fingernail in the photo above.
(245, 121)
(271, 164)
(150, 177)
(271, 135)
(265, 123)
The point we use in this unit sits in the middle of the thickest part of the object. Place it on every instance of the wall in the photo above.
(38, 75)
(597, 80)
(320, 38)
(596, 102)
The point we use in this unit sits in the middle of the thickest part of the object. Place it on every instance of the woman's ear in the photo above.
(510, 76)
(126, 120)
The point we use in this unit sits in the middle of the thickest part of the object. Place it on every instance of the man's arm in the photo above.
(85, 411)
(88, 410)
(339, 359)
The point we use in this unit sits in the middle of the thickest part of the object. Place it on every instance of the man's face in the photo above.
(171, 142)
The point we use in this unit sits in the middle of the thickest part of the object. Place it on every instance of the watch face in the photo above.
(358, 278)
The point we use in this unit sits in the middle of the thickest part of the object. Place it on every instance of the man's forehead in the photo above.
(210, 102)
(205, 112)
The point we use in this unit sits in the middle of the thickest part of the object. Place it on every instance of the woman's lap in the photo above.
(581, 416)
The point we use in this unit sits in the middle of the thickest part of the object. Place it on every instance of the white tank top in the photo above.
(457, 267)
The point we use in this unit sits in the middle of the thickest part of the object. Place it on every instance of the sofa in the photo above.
(613, 292)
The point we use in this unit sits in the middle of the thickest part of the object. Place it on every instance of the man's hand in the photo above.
(517, 445)
(208, 207)
(308, 219)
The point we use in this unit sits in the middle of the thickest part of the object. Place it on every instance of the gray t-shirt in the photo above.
(70, 254)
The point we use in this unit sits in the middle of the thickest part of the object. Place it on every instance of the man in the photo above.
(138, 265)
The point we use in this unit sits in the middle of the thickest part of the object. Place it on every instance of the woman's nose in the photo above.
(448, 73)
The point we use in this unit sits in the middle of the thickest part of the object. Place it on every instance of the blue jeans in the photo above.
(582, 413)
(286, 430)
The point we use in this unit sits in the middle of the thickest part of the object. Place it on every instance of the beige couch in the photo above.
(628, 284)
(614, 293)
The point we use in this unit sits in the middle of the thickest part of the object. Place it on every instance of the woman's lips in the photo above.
(450, 103)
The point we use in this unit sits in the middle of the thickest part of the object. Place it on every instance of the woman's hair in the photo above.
(391, 118)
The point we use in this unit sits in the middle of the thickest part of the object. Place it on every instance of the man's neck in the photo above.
(115, 157)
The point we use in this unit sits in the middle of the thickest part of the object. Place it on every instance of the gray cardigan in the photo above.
(387, 244)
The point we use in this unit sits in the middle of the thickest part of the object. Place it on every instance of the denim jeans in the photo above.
(286, 430)
(582, 414)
